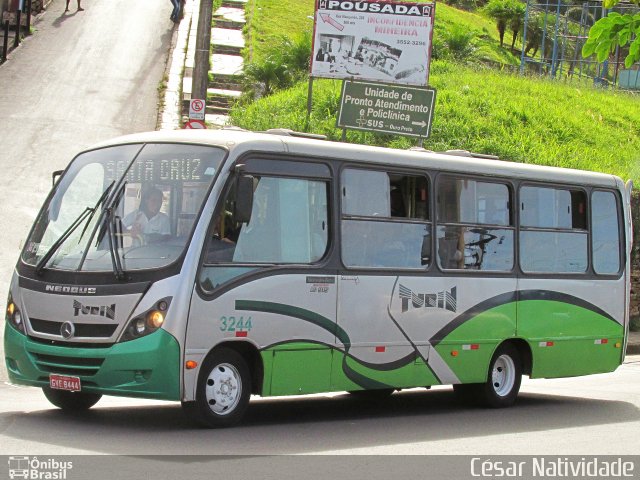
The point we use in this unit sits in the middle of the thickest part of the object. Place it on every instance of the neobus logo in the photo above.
(108, 311)
(70, 289)
(446, 300)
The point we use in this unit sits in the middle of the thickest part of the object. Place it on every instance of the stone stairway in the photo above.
(226, 65)
(226, 62)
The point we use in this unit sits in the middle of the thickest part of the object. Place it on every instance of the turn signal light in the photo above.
(454, 353)
(11, 308)
(190, 364)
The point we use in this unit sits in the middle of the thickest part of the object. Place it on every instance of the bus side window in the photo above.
(385, 220)
(474, 230)
(553, 235)
(289, 225)
(605, 233)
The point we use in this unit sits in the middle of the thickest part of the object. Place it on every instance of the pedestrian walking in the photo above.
(80, 9)
(175, 15)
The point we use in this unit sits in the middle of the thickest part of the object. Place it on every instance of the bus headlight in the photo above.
(13, 316)
(155, 319)
(141, 325)
(147, 322)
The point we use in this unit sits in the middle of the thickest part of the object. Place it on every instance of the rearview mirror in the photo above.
(54, 177)
(244, 198)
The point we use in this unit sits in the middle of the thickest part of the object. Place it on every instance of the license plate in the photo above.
(63, 382)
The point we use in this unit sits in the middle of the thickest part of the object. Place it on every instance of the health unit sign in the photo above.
(378, 41)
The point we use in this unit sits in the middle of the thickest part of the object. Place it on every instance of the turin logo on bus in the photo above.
(108, 311)
(446, 300)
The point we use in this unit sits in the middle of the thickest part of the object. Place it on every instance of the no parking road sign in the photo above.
(196, 109)
(194, 124)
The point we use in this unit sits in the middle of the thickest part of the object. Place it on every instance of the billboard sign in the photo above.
(368, 40)
(386, 108)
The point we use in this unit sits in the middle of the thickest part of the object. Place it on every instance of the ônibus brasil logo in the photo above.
(33, 468)
(446, 299)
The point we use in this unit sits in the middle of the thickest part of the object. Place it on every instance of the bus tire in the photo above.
(503, 379)
(71, 401)
(223, 390)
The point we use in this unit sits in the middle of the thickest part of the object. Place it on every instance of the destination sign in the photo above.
(163, 163)
(163, 170)
(386, 108)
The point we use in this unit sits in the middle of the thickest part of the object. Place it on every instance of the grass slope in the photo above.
(270, 20)
(489, 111)
(517, 118)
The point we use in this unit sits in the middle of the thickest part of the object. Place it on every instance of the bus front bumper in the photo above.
(148, 367)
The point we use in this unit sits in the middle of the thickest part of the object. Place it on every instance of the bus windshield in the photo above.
(127, 207)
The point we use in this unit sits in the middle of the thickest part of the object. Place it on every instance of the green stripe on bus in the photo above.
(296, 312)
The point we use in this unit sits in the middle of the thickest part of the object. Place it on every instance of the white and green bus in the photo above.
(207, 266)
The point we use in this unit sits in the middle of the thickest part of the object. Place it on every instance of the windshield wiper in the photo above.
(113, 245)
(85, 216)
(63, 238)
(110, 218)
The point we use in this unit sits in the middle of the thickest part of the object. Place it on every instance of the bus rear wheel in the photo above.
(223, 390)
(503, 381)
(71, 401)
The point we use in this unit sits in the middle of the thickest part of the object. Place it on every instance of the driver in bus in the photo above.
(147, 223)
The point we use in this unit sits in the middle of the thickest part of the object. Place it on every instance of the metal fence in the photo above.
(554, 34)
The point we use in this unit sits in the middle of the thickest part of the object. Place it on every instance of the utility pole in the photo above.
(203, 47)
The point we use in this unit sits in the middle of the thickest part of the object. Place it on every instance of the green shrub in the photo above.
(284, 63)
(460, 43)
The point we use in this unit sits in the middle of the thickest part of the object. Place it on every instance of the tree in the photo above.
(506, 13)
(500, 11)
(612, 31)
(517, 21)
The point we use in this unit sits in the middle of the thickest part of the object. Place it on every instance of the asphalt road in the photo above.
(598, 414)
(83, 77)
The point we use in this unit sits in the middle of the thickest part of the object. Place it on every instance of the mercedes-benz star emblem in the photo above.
(67, 330)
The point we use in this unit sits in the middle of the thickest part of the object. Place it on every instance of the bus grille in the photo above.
(83, 330)
(79, 366)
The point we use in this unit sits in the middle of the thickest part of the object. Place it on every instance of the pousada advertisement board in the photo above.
(367, 40)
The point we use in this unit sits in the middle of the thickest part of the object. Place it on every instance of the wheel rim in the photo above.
(223, 389)
(503, 375)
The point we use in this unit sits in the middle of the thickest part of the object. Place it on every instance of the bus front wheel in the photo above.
(223, 390)
(71, 401)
